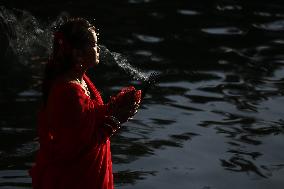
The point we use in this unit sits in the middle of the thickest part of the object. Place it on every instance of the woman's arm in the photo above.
(125, 104)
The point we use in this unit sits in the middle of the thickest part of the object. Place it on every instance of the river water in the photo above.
(215, 117)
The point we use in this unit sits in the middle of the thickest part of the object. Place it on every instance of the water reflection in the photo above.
(14, 178)
(131, 177)
(244, 162)
(216, 109)
(229, 7)
(148, 39)
(277, 26)
(238, 164)
(224, 31)
(139, 1)
(188, 12)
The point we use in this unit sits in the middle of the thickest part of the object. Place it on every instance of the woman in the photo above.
(74, 123)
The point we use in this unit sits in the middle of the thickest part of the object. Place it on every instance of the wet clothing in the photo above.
(74, 146)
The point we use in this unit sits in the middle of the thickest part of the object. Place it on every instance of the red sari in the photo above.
(74, 146)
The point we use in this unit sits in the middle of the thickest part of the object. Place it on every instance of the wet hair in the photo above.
(74, 33)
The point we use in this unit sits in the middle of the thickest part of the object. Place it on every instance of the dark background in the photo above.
(215, 118)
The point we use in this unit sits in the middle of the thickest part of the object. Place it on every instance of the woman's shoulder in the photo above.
(64, 86)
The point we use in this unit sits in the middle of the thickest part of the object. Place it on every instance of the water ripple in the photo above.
(15, 178)
(216, 109)
(148, 38)
(277, 26)
(188, 12)
(224, 31)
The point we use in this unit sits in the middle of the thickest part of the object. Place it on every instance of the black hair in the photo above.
(74, 33)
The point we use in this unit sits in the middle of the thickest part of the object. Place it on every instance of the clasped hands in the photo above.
(122, 107)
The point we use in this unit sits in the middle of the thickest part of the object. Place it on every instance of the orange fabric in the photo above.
(74, 146)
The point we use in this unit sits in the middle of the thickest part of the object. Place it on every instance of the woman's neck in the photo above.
(74, 75)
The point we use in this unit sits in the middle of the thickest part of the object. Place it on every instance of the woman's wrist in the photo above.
(112, 124)
(115, 119)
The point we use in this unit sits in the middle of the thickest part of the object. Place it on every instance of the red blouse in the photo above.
(74, 146)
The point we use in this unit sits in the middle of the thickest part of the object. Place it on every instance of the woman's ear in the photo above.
(77, 55)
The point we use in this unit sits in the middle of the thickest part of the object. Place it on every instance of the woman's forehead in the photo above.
(93, 35)
(92, 39)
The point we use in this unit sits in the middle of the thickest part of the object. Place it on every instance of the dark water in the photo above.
(214, 120)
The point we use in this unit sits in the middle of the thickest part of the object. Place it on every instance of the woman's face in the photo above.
(91, 54)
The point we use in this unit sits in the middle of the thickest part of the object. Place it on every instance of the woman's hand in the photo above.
(125, 104)
(111, 125)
